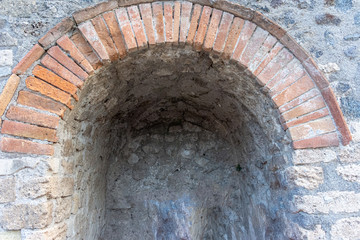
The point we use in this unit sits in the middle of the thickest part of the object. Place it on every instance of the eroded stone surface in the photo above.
(307, 177)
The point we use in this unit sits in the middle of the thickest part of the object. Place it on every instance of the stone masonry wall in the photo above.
(323, 183)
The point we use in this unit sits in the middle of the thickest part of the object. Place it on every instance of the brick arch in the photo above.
(56, 68)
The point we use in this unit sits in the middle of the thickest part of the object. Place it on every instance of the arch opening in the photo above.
(170, 143)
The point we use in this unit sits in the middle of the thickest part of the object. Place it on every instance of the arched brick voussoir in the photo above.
(110, 30)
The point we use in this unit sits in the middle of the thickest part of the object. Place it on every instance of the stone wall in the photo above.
(66, 195)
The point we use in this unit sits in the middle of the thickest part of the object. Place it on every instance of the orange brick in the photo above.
(115, 32)
(213, 29)
(66, 44)
(89, 32)
(223, 32)
(53, 79)
(312, 129)
(56, 67)
(244, 37)
(315, 73)
(13, 145)
(203, 25)
(28, 131)
(297, 101)
(105, 38)
(177, 15)
(32, 100)
(47, 90)
(336, 113)
(279, 62)
(298, 88)
(185, 20)
(308, 117)
(33, 55)
(126, 29)
(146, 14)
(168, 15)
(159, 21)
(8, 92)
(274, 51)
(67, 62)
(56, 32)
(304, 108)
(233, 37)
(326, 140)
(286, 76)
(193, 24)
(33, 117)
(86, 50)
(253, 46)
(262, 52)
(93, 11)
(294, 47)
(137, 26)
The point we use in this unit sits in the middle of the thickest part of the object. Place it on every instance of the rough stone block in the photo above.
(327, 202)
(6, 58)
(350, 173)
(61, 187)
(350, 154)
(7, 189)
(32, 216)
(308, 156)
(34, 188)
(56, 232)
(306, 176)
(62, 209)
(346, 229)
(10, 235)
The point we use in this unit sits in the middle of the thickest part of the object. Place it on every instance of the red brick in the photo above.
(13, 145)
(53, 79)
(159, 22)
(253, 46)
(86, 50)
(315, 73)
(68, 46)
(308, 117)
(91, 12)
(274, 51)
(47, 90)
(115, 32)
(262, 52)
(67, 62)
(223, 32)
(287, 76)
(203, 25)
(33, 55)
(137, 26)
(299, 100)
(105, 38)
(298, 88)
(279, 62)
(212, 30)
(233, 37)
(33, 117)
(177, 14)
(8, 92)
(89, 32)
(186, 8)
(244, 37)
(168, 16)
(193, 24)
(304, 108)
(32, 100)
(326, 140)
(146, 14)
(294, 47)
(56, 67)
(28, 131)
(126, 29)
(267, 24)
(337, 115)
(312, 129)
(56, 32)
